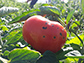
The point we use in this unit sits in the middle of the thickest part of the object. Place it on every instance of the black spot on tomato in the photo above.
(61, 34)
(43, 36)
(63, 37)
(52, 25)
(46, 23)
(44, 27)
(54, 37)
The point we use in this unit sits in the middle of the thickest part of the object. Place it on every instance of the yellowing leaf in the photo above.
(76, 40)
(4, 28)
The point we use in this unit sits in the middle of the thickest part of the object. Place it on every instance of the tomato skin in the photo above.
(43, 34)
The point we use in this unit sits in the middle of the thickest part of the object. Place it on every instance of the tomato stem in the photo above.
(61, 22)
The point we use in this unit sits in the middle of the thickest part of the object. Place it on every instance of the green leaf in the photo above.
(69, 16)
(22, 40)
(7, 10)
(0, 20)
(4, 28)
(73, 25)
(77, 22)
(63, 11)
(82, 5)
(75, 40)
(24, 16)
(1, 23)
(56, 11)
(50, 10)
(6, 53)
(75, 46)
(71, 60)
(61, 54)
(23, 56)
(45, 5)
(76, 56)
(48, 57)
(13, 36)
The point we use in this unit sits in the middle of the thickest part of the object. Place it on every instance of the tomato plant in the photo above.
(23, 32)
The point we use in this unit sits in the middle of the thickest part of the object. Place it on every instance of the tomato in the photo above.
(43, 34)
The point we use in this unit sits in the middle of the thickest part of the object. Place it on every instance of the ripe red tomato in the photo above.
(43, 34)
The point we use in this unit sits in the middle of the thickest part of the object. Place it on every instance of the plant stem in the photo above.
(61, 22)
(1, 42)
(82, 51)
(79, 60)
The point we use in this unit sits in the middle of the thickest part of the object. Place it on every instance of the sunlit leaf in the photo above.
(23, 56)
(74, 53)
(63, 10)
(13, 36)
(4, 28)
(76, 40)
(50, 10)
(6, 53)
(70, 60)
(24, 16)
(82, 5)
(75, 56)
(45, 5)
(22, 40)
(7, 10)
(73, 25)
(69, 16)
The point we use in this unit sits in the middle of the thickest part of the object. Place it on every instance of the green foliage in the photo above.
(6, 53)
(51, 10)
(48, 57)
(4, 28)
(75, 40)
(23, 56)
(15, 34)
(82, 6)
(7, 10)
(69, 16)
(24, 16)
(14, 49)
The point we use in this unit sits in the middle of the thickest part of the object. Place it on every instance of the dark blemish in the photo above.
(57, 28)
(46, 23)
(61, 34)
(52, 25)
(43, 36)
(63, 37)
(54, 37)
(44, 27)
